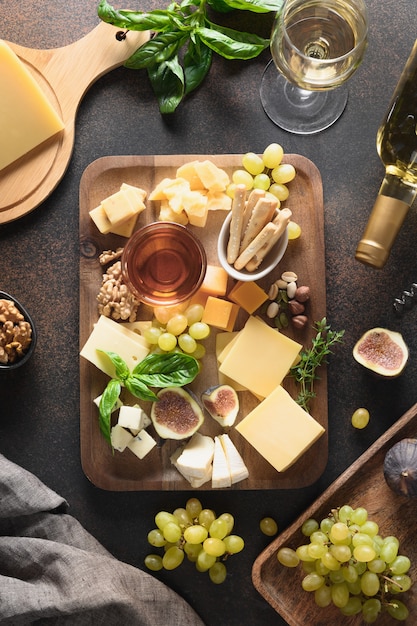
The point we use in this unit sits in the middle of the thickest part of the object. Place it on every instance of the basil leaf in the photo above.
(197, 62)
(167, 80)
(255, 6)
(134, 20)
(122, 370)
(232, 44)
(107, 402)
(139, 389)
(220, 5)
(172, 369)
(156, 50)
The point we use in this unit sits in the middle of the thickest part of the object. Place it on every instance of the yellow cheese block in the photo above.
(224, 341)
(280, 430)
(215, 281)
(260, 357)
(27, 118)
(118, 207)
(248, 295)
(220, 313)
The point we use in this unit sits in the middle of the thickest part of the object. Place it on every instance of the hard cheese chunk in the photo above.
(248, 295)
(280, 430)
(196, 457)
(271, 351)
(27, 118)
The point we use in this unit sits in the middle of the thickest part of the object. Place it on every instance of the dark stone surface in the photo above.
(39, 416)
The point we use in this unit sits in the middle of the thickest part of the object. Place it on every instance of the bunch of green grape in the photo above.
(174, 329)
(196, 534)
(347, 563)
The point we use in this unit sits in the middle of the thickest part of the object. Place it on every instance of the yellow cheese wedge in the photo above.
(260, 357)
(280, 430)
(27, 118)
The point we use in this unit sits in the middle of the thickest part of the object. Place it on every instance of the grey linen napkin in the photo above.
(52, 571)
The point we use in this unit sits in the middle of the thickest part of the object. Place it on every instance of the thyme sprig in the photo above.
(305, 371)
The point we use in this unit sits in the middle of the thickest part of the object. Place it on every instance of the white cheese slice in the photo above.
(131, 417)
(194, 482)
(220, 475)
(237, 468)
(197, 456)
(141, 444)
(120, 437)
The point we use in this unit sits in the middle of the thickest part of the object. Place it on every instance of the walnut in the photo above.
(15, 332)
(114, 299)
(109, 255)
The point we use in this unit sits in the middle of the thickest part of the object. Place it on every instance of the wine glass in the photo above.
(316, 45)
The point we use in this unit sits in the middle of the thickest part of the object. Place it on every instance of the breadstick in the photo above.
(255, 245)
(261, 215)
(280, 222)
(254, 196)
(236, 222)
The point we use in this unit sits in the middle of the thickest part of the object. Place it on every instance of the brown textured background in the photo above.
(39, 414)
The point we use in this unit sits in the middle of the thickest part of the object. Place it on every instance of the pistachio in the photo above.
(302, 293)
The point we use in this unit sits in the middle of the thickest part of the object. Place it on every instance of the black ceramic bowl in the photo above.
(28, 318)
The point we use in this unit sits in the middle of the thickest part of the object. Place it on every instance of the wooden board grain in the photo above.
(305, 256)
(362, 484)
(64, 74)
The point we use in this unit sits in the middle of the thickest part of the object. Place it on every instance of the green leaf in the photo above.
(157, 50)
(107, 402)
(134, 20)
(139, 389)
(171, 369)
(122, 371)
(167, 80)
(232, 44)
(197, 62)
(255, 6)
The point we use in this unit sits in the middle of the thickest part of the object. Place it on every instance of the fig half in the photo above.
(400, 467)
(176, 415)
(222, 403)
(382, 351)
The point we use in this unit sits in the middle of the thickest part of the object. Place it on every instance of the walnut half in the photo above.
(15, 332)
(115, 300)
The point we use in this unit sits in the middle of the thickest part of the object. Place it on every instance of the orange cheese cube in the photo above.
(248, 295)
(215, 281)
(220, 313)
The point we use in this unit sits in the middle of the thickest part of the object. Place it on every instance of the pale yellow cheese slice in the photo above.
(279, 429)
(27, 118)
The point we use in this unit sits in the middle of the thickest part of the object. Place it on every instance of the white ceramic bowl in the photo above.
(268, 264)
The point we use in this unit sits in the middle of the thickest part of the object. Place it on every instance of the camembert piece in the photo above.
(196, 457)
(237, 468)
(27, 118)
(194, 482)
(280, 430)
(220, 476)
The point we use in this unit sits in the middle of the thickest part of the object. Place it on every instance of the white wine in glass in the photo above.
(316, 45)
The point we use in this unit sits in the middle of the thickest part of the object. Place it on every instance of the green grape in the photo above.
(364, 553)
(204, 561)
(193, 505)
(377, 566)
(192, 550)
(361, 539)
(153, 562)
(194, 313)
(293, 230)
(389, 551)
(281, 192)
(261, 181)
(370, 528)
(199, 330)
(352, 607)
(272, 155)
(199, 351)
(370, 583)
(242, 177)
(156, 538)
(359, 516)
(218, 528)
(400, 565)
(234, 544)
(339, 532)
(183, 516)
(398, 610)
(206, 517)
(173, 558)
(172, 532)
(316, 550)
(214, 546)
(310, 566)
(152, 335)
(284, 173)
(350, 574)
(218, 573)
(360, 418)
(326, 524)
(319, 536)
(320, 568)
(195, 534)
(399, 583)
(163, 517)
(309, 527)
(167, 342)
(187, 343)
(268, 526)
(288, 557)
(330, 561)
(370, 610)
(337, 577)
(177, 324)
(302, 553)
(312, 581)
(341, 552)
(344, 513)
(355, 587)
(229, 519)
(253, 163)
(340, 594)
(323, 596)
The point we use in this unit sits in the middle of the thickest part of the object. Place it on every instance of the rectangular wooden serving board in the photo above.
(305, 256)
(362, 484)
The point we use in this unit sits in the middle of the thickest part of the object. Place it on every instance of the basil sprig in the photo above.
(178, 57)
(171, 369)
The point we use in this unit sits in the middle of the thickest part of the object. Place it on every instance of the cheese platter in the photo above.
(111, 470)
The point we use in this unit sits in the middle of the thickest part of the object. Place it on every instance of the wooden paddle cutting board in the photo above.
(64, 74)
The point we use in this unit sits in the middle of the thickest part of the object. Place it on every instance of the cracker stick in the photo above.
(255, 246)
(236, 222)
(280, 222)
(262, 213)
(253, 198)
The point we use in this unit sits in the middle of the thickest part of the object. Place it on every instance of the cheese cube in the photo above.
(137, 193)
(196, 457)
(117, 405)
(280, 430)
(237, 468)
(220, 313)
(100, 219)
(118, 207)
(212, 177)
(215, 281)
(126, 228)
(260, 357)
(166, 214)
(194, 482)
(131, 417)
(141, 444)
(248, 295)
(188, 171)
(110, 336)
(120, 437)
(218, 201)
(194, 203)
(220, 476)
(27, 118)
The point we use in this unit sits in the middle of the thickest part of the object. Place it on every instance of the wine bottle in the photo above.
(397, 148)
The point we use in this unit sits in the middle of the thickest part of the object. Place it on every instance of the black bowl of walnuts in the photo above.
(17, 333)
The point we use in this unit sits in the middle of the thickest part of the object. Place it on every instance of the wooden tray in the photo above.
(304, 256)
(64, 74)
(362, 484)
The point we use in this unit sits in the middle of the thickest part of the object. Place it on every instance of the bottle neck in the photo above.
(395, 187)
